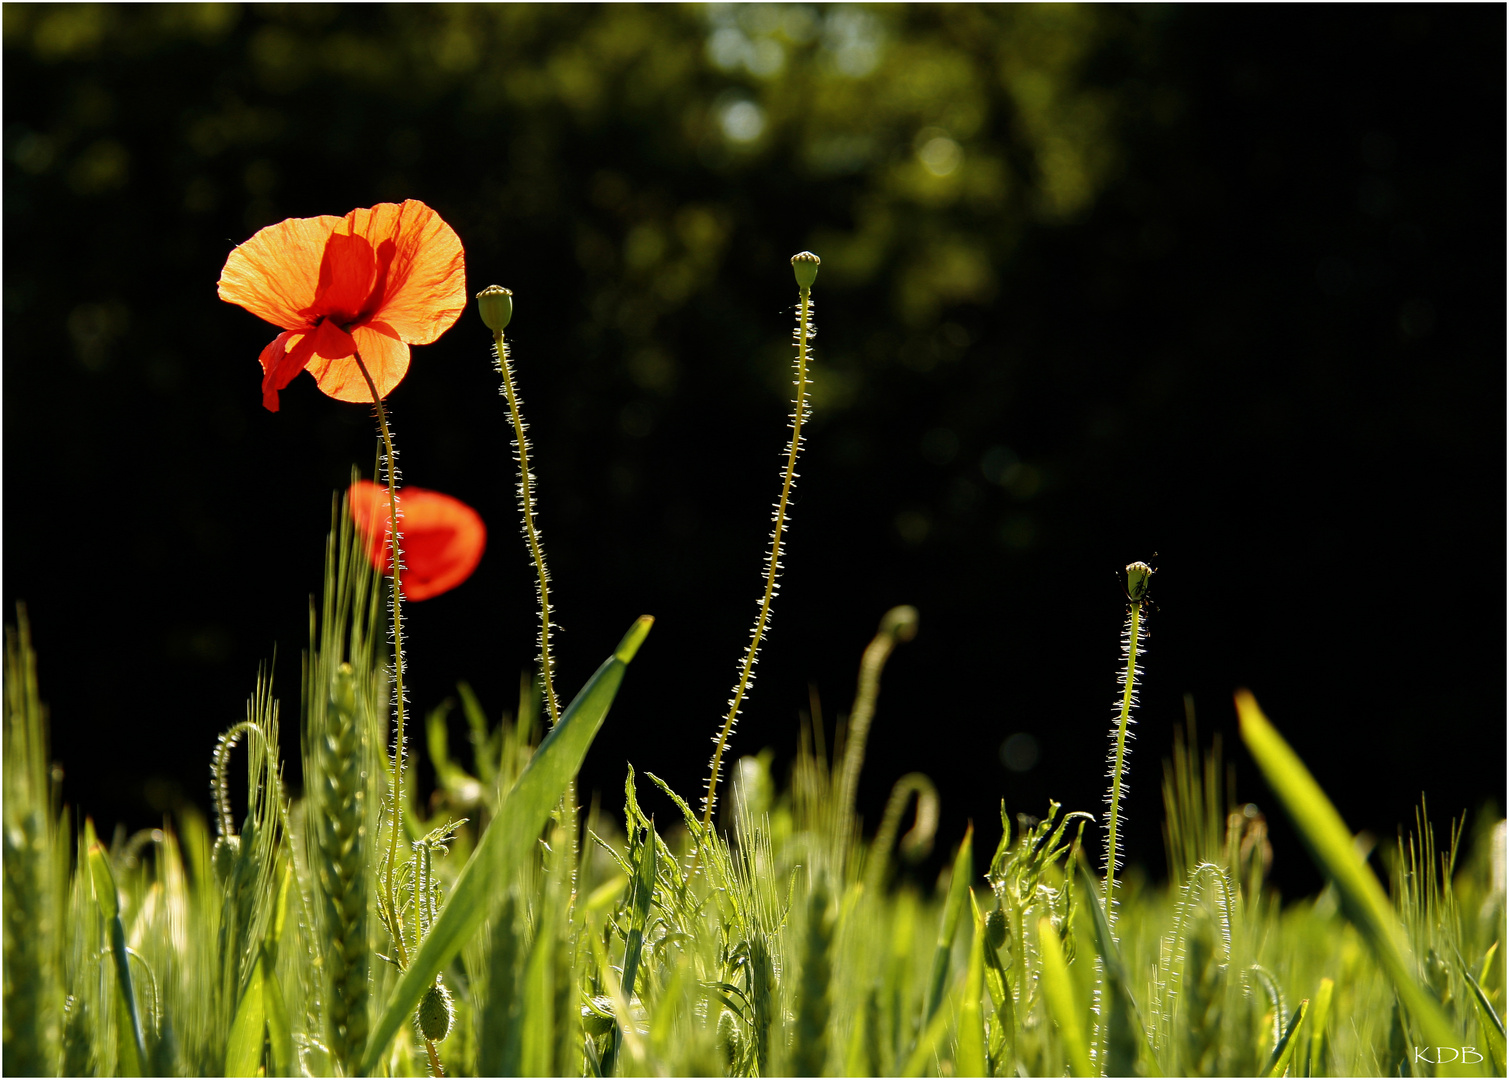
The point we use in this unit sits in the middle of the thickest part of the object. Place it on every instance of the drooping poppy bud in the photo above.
(495, 304)
(442, 539)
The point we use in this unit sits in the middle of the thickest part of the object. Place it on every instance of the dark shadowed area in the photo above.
(1224, 285)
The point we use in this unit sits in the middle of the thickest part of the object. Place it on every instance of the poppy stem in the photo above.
(390, 898)
(800, 410)
(497, 321)
(531, 531)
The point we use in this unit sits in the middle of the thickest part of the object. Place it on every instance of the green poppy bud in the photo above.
(995, 928)
(435, 1012)
(805, 264)
(496, 306)
(1139, 577)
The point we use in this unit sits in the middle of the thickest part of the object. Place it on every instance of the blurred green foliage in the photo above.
(936, 133)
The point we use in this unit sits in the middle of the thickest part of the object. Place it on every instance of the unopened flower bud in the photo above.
(435, 1012)
(1139, 576)
(495, 303)
(995, 928)
(805, 264)
(900, 622)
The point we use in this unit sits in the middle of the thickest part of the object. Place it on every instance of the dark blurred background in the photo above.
(1222, 284)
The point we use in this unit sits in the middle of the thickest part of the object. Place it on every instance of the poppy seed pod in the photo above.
(495, 304)
(805, 265)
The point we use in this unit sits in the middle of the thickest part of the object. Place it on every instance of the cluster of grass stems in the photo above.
(482, 931)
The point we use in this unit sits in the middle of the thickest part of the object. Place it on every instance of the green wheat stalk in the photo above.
(342, 695)
(32, 894)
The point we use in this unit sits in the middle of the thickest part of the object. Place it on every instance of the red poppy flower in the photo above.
(375, 281)
(443, 538)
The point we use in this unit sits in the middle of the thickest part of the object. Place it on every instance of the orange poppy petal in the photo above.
(346, 273)
(425, 289)
(386, 359)
(275, 275)
(331, 342)
(280, 364)
(442, 538)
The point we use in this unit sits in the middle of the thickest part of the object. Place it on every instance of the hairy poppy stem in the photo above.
(390, 897)
(495, 305)
(805, 265)
(531, 531)
(1139, 575)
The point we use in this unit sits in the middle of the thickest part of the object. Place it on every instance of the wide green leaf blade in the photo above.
(1330, 844)
(509, 840)
(243, 1051)
(1058, 993)
(279, 1028)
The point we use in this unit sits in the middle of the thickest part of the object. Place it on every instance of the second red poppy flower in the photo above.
(443, 538)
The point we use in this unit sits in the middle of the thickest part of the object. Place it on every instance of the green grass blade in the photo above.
(639, 912)
(1126, 1037)
(1058, 993)
(243, 1052)
(1283, 1050)
(927, 1042)
(279, 1029)
(538, 993)
(958, 889)
(1320, 1014)
(621, 1008)
(512, 836)
(970, 1057)
(1330, 844)
(1488, 1018)
(133, 1051)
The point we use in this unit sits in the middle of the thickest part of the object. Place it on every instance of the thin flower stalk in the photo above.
(389, 897)
(496, 305)
(805, 266)
(1139, 576)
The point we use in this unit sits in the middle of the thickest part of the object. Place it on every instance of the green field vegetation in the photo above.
(238, 946)
(487, 930)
